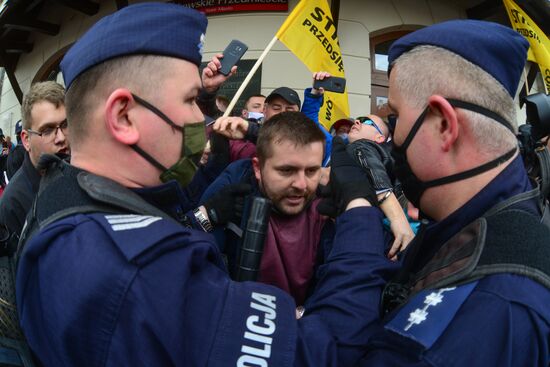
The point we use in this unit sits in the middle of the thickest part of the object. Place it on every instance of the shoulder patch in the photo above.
(426, 316)
(134, 233)
(124, 222)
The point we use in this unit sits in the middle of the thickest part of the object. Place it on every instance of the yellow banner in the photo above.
(539, 51)
(309, 32)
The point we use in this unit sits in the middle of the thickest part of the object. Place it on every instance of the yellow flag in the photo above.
(539, 51)
(309, 32)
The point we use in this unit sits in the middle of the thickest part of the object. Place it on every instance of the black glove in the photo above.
(227, 205)
(347, 182)
(374, 159)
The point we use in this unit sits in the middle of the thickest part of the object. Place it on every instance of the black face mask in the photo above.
(193, 143)
(412, 186)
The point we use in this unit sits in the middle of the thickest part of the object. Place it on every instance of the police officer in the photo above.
(107, 279)
(474, 287)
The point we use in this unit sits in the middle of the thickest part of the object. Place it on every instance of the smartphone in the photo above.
(331, 84)
(231, 55)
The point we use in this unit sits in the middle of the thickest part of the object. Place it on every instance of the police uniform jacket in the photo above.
(139, 290)
(498, 320)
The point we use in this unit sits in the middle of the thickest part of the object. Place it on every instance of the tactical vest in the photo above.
(503, 240)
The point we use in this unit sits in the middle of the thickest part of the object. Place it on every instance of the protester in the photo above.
(366, 146)
(253, 111)
(254, 107)
(342, 127)
(113, 280)
(286, 171)
(15, 158)
(44, 129)
(279, 100)
(9, 144)
(473, 289)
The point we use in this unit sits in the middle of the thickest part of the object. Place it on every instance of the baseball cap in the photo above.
(285, 93)
(342, 122)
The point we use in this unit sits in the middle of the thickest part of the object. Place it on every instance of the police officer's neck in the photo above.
(441, 201)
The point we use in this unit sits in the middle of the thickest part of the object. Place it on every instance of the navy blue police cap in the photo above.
(497, 49)
(141, 29)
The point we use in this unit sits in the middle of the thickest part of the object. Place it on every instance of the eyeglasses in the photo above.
(367, 121)
(51, 131)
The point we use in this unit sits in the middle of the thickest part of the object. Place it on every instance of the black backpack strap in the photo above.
(503, 205)
(66, 190)
(516, 243)
(505, 240)
(455, 260)
(511, 241)
(543, 157)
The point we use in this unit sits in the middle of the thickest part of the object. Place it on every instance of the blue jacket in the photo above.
(499, 320)
(311, 106)
(134, 290)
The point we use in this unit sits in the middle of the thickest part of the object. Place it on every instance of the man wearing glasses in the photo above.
(366, 145)
(44, 132)
(370, 127)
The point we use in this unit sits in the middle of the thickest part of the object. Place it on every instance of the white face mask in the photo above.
(255, 115)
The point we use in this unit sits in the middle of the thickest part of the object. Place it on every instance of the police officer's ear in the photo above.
(121, 113)
(446, 119)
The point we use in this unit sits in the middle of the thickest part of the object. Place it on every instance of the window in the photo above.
(380, 46)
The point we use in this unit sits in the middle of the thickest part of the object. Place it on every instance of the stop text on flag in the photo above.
(322, 27)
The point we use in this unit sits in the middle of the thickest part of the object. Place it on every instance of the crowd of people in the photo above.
(126, 218)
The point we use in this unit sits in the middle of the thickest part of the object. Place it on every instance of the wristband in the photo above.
(387, 195)
(203, 220)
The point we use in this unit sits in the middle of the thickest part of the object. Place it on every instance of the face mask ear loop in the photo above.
(158, 112)
(472, 172)
(481, 110)
(148, 158)
(414, 130)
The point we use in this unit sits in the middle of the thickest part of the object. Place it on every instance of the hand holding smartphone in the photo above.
(231, 56)
(331, 84)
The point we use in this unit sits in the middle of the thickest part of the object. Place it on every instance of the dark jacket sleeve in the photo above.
(253, 131)
(15, 160)
(371, 158)
(207, 104)
(238, 171)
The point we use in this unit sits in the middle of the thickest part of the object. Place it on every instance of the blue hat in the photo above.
(497, 49)
(141, 29)
(18, 127)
